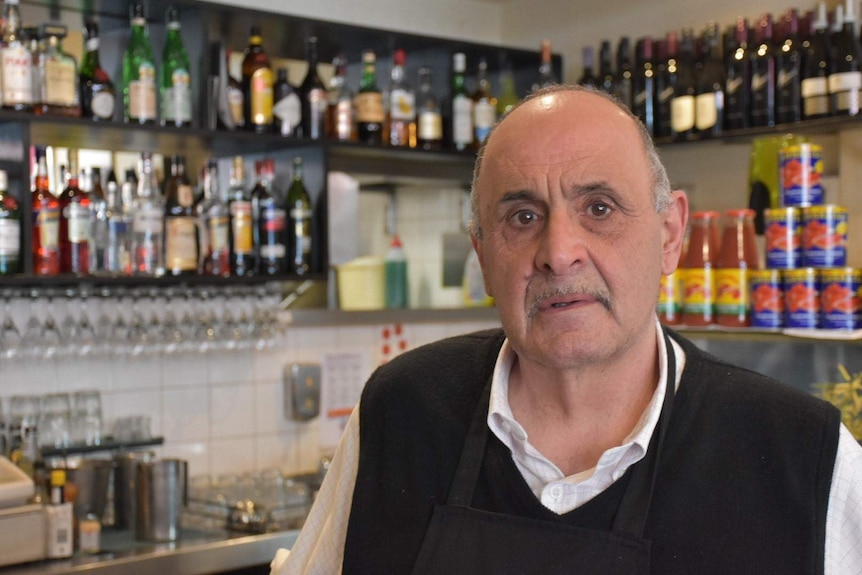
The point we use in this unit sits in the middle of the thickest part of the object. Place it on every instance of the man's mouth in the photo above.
(566, 296)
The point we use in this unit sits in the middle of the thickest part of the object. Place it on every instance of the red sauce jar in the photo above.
(701, 260)
(738, 257)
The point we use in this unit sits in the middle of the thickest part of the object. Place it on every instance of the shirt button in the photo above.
(556, 492)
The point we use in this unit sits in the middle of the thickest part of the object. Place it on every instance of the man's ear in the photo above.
(675, 221)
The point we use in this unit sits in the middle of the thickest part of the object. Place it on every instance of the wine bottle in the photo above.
(176, 85)
(182, 246)
(484, 105)
(665, 82)
(74, 223)
(682, 106)
(299, 213)
(139, 73)
(788, 62)
(342, 111)
(313, 96)
(508, 98)
(546, 76)
(845, 78)
(763, 74)
(241, 231)
(369, 103)
(623, 85)
(46, 222)
(287, 110)
(462, 105)
(257, 82)
(10, 229)
(643, 84)
(97, 90)
(401, 111)
(270, 221)
(430, 129)
(815, 83)
(737, 87)
(607, 80)
(588, 76)
(709, 109)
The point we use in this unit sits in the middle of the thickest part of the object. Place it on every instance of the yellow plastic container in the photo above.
(362, 284)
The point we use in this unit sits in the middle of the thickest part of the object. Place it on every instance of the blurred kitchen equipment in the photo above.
(361, 284)
(161, 495)
(22, 534)
(125, 479)
(90, 477)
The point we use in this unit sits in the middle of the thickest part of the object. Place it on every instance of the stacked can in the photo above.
(807, 240)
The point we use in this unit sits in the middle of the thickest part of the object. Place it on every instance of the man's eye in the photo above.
(524, 217)
(599, 210)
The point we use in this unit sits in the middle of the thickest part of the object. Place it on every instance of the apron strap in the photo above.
(472, 454)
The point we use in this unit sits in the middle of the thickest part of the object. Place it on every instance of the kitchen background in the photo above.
(223, 412)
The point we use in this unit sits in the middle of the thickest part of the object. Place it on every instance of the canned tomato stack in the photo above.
(806, 253)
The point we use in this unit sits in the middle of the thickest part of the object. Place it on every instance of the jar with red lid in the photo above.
(701, 261)
(738, 256)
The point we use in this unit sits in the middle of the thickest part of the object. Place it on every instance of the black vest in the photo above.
(742, 486)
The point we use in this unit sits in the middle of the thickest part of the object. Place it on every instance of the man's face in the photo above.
(572, 246)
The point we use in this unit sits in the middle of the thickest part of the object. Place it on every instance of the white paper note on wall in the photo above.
(344, 374)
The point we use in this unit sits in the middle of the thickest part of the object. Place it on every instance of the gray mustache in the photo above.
(601, 295)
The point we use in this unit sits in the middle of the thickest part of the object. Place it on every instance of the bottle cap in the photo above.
(396, 241)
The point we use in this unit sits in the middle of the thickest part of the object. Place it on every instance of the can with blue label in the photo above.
(840, 295)
(767, 298)
(824, 236)
(802, 298)
(783, 234)
(801, 175)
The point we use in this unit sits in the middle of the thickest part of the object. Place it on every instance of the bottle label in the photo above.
(261, 97)
(60, 83)
(48, 223)
(288, 110)
(102, 105)
(759, 82)
(731, 295)
(218, 234)
(402, 105)
(698, 291)
(10, 238)
(682, 113)
(78, 217)
(786, 76)
(92, 44)
(430, 126)
(706, 109)
(185, 195)
(148, 220)
(142, 93)
(177, 98)
(814, 87)
(17, 75)
(242, 227)
(117, 256)
(462, 120)
(369, 107)
(845, 86)
(301, 229)
(665, 96)
(484, 116)
(344, 119)
(235, 102)
(181, 252)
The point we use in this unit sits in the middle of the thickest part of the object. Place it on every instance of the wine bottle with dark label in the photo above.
(788, 89)
(763, 75)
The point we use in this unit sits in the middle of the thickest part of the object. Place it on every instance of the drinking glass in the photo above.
(87, 417)
(55, 420)
(10, 336)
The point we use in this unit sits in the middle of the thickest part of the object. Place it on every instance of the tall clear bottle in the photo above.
(484, 105)
(817, 68)
(119, 249)
(94, 83)
(270, 221)
(92, 182)
(176, 85)
(241, 222)
(182, 250)
(139, 73)
(299, 223)
(214, 228)
(342, 110)
(401, 112)
(10, 229)
(75, 232)
(462, 105)
(15, 60)
(46, 221)
(845, 79)
(148, 221)
(430, 130)
(313, 96)
(370, 115)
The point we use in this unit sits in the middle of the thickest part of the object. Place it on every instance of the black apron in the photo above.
(461, 539)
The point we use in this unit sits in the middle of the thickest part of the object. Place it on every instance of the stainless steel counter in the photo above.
(197, 552)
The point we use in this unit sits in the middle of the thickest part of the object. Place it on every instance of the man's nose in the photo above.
(561, 244)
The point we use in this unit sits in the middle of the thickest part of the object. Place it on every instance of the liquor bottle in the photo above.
(606, 72)
(682, 106)
(588, 76)
(342, 111)
(709, 106)
(484, 105)
(369, 103)
(623, 86)
(176, 85)
(148, 220)
(74, 223)
(16, 61)
(214, 220)
(58, 74)
(235, 99)
(46, 221)
(270, 222)
(299, 216)
(312, 94)
(401, 111)
(139, 73)
(763, 75)
(430, 131)
(546, 75)
(10, 229)
(643, 84)
(117, 257)
(287, 110)
(665, 82)
(241, 222)
(508, 98)
(845, 79)
(98, 218)
(129, 191)
(788, 63)
(737, 88)
(817, 68)
(462, 105)
(30, 36)
(97, 90)
(257, 81)
(182, 250)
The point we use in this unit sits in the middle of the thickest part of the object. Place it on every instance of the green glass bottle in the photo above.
(97, 90)
(299, 216)
(139, 73)
(176, 88)
(10, 230)
(369, 103)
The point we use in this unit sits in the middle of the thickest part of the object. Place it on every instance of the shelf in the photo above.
(61, 281)
(327, 317)
(108, 445)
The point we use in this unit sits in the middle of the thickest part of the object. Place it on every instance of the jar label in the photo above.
(699, 291)
(731, 294)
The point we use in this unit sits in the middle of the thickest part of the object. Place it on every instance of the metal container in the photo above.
(91, 477)
(161, 492)
(125, 479)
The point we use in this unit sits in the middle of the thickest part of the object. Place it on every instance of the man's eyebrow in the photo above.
(518, 196)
